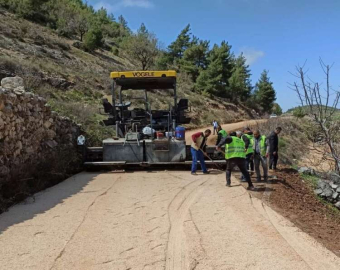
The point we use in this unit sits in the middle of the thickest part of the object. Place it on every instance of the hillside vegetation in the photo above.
(65, 51)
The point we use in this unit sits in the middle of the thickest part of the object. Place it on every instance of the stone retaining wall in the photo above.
(328, 185)
(29, 131)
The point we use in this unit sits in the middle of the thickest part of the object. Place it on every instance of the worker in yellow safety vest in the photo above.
(250, 153)
(235, 154)
(261, 153)
(221, 133)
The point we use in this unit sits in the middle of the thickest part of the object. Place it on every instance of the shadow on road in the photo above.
(45, 200)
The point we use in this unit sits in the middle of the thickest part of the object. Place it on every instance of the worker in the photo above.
(198, 146)
(215, 125)
(260, 155)
(250, 153)
(274, 148)
(235, 154)
(107, 105)
(221, 133)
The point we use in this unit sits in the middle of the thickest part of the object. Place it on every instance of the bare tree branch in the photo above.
(310, 94)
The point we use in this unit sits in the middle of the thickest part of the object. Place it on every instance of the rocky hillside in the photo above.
(74, 81)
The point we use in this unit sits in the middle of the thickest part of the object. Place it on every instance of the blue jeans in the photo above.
(197, 155)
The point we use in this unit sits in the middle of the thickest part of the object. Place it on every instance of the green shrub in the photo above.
(115, 51)
(299, 112)
(282, 143)
(93, 39)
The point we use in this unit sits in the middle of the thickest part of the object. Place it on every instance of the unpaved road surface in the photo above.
(227, 127)
(153, 220)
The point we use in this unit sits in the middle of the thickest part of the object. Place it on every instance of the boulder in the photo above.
(335, 195)
(306, 170)
(19, 90)
(334, 177)
(78, 45)
(327, 192)
(334, 186)
(337, 205)
(318, 191)
(12, 82)
(321, 184)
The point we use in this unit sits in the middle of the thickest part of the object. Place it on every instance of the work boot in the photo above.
(251, 188)
(207, 172)
(193, 173)
(228, 184)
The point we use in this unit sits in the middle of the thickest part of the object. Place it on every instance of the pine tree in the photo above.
(142, 30)
(195, 58)
(277, 109)
(215, 79)
(265, 94)
(177, 48)
(239, 82)
(122, 22)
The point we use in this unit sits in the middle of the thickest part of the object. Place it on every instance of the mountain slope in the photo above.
(74, 81)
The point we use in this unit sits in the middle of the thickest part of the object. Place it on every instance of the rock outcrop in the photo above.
(29, 130)
(328, 185)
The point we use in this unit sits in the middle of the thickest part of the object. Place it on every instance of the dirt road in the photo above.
(227, 127)
(153, 220)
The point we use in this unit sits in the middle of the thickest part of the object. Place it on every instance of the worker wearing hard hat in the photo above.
(235, 154)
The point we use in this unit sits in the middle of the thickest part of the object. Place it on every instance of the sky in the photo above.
(275, 35)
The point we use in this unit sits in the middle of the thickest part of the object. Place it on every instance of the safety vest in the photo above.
(263, 147)
(223, 133)
(250, 149)
(235, 149)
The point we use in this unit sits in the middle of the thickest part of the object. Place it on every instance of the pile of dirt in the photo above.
(293, 198)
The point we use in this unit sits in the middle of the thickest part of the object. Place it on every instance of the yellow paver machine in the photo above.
(144, 136)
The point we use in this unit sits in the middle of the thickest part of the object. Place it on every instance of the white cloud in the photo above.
(117, 5)
(251, 55)
(137, 3)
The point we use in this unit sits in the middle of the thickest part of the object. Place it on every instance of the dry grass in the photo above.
(293, 140)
